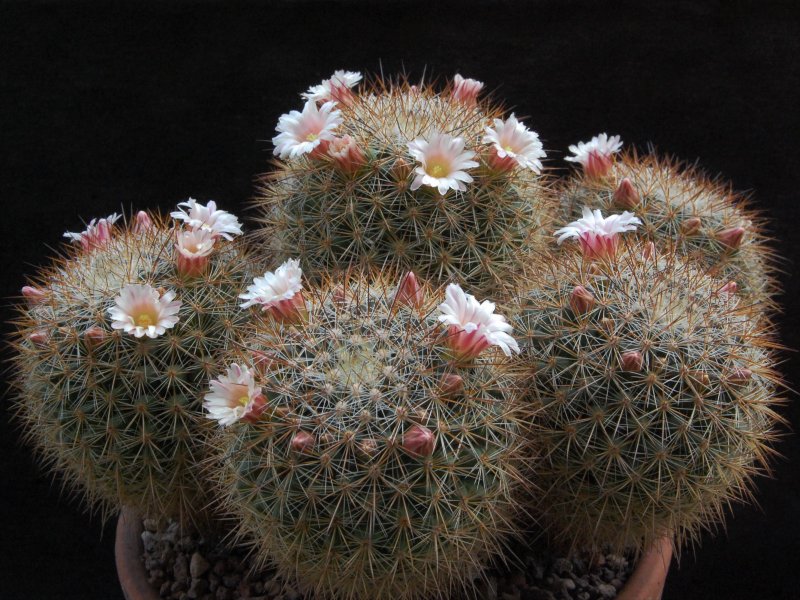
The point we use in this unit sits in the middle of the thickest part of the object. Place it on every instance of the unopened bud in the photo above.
(626, 195)
(649, 251)
(94, 335)
(419, 441)
(256, 409)
(452, 384)
(40, 337)
(33, 295)
(740, 376)
(691, 226)
(409, 291)
(302, 441)
(581, 300)
(729, 288)
(632, 361)
(142, 222)
(731, 238)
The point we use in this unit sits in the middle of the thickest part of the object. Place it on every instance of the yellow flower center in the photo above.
(508, 148)
(438, 169)
(145, 320)
(244, 400)
(311, 137)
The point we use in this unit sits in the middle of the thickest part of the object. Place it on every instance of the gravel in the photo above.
(187, 567)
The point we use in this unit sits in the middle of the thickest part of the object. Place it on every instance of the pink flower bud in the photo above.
(346, 154)
(302, 441)
(626, 195)
(290, 310)
(466, 346)
(581, 300)
(409, 291)
(419, 441)
(649, 251)
(597, 165)
(731, 238)
(466, 90)
(729, 288)
(94, 335)
(142, 223)
(632, 361)
(40, 338)
(452, 384)
(33, 295)
(691, 226)
(740, 376)
(598, 246)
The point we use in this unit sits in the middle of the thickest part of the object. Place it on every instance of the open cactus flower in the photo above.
(597, 234)
(443, 163)
(97, 233)
(337, 88)
(472, 326)
(306, 132)
(596, 155)
(234, 397)
(194, 248)
(142, 311)
(278, 292)
(219, 222)
(512, 144)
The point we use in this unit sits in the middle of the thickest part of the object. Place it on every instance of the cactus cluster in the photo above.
(680, 207)
(653, 386)
(375, 190)
(115, 405)
(377, 463)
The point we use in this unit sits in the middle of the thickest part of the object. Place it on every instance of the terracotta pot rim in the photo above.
(645, 583)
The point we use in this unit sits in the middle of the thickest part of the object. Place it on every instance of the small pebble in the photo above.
(606, 590)
(198, 565)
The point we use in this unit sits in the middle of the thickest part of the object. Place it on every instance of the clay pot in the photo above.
(645, 583)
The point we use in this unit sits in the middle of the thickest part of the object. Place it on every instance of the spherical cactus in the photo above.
(678, 206)
(114, 348)
(654, 390)
(371, 452)
(406, 176)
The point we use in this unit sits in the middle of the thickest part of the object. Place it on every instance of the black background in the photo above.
(109, 106)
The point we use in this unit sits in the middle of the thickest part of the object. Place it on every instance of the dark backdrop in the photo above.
(141, 105)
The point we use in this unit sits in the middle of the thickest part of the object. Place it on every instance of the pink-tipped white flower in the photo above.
(278, 292)
(466, 90)
(234, 396)
(595, 155)
(514, 144)
(303, 133)
(473, 326)
(97, 233)
(598, 235)
(218, 222)
(141, 311)
(346, 154)
(33, 295)
(336, 88)
(194, 248)
(142, 222)
(444, 163)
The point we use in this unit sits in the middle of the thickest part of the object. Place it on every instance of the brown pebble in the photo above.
(198, 565)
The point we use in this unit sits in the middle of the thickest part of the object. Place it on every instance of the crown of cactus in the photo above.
(654, 390)
(403, 175)
(679, 207)
(371, 451)
(114, 349)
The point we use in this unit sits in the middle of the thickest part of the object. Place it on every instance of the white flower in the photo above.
(473, 325)
(511, 139)
(333, 88)
(598, 235)
(443, 162)
(594, 222)
(275, 287)
(301, 133)
(219, 222)
(231, 398)
(141, 310)
(601, 146)
(196, 243)
(97, 232)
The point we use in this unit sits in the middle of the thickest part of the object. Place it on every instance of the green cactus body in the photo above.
(654, 393)
(681, 208)
(311, 209)
(121, 416)
(334, 483)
